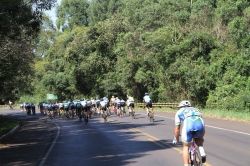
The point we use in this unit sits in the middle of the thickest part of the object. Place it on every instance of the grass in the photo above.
(243, 116)
(6, 125)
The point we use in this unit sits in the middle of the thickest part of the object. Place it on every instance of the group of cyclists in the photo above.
(84, 108)
(28, 107)
(191, 118)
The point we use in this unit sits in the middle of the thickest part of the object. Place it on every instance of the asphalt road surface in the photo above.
(122, 141)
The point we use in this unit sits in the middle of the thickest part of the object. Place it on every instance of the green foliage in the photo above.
(175, 50)
(72, 13)
(31, 99)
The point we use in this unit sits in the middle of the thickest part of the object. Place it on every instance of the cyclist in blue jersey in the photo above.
(193, 127)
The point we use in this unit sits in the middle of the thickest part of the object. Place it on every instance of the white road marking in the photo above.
(212, 126)
(51, 147)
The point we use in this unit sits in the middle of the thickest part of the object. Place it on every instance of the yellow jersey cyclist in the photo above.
(193, 127)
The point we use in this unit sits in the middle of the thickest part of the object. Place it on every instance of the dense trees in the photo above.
(20, 23)
(196, 50)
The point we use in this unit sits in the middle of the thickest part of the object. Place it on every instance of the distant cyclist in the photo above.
(112, 102)
(193, 127)
(148, 103)
(10, 105)
(130, 103)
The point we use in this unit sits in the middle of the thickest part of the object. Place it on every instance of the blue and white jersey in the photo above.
(106, 101)
(103, 103)
(147, 99)
(118, 102)
(97, 101)
(89, 103)
(186, 112)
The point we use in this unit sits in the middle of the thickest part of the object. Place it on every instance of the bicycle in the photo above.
(151, 116)
(80, 115)
(195, 158)
(132, 113)
(11, 107)
(194, 154)
(120, 112)
(123, 111)
(104, 115)
(85, 117)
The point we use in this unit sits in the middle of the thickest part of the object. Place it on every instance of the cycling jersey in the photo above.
(78, 104)
(65, 105)
(192, 122)
(72, 104)
(84, 103)
(130, 101)
(122, 103)
(147, 99)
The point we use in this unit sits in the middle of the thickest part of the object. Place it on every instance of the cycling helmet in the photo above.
(146, 93)
(185, 103)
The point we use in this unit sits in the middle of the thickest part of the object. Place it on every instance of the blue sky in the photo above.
(52, 12)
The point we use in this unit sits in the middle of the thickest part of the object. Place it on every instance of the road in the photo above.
(127, 141)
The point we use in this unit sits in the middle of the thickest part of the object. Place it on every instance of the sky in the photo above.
(52, 13)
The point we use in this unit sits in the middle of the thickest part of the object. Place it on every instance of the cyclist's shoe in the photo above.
(203, 159)
(203, 154)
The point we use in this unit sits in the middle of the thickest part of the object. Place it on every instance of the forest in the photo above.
(173, 49)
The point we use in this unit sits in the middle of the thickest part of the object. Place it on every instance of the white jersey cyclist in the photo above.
(148, 102)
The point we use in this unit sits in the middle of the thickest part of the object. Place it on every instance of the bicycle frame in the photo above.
(194, 154)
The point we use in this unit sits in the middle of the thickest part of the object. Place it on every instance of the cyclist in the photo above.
(22, 107)
(103, 107)
(97, 101)
(33, 108)
(89, 105)
(112, 102)
(78, 107)
(117, 105)
(130, 104)
(66, 108)
(10, 105)
(123, 104)
(28, 108)
(71, 108)
(192, 122)
(148, 103)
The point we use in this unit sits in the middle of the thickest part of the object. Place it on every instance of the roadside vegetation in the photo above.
(173, 49)
(6, 124)
(242, 116)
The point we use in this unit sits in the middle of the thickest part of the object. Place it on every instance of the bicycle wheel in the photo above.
(150, 117)
(86, 119)
(195, 157)
(198, 157)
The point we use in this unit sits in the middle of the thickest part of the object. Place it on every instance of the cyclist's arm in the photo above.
(177, 132)
(177, 126)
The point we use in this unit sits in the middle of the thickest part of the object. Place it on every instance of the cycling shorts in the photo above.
(190, 124)
(149, 104)
(132, 105)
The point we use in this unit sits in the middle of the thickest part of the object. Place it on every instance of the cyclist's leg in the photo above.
(151, 109)
(186, 136)
(185, 153)
(199, 124)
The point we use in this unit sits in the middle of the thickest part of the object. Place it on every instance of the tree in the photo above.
(72, 13)
(20, 24)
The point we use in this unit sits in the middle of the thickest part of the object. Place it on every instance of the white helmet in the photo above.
(185, 103)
